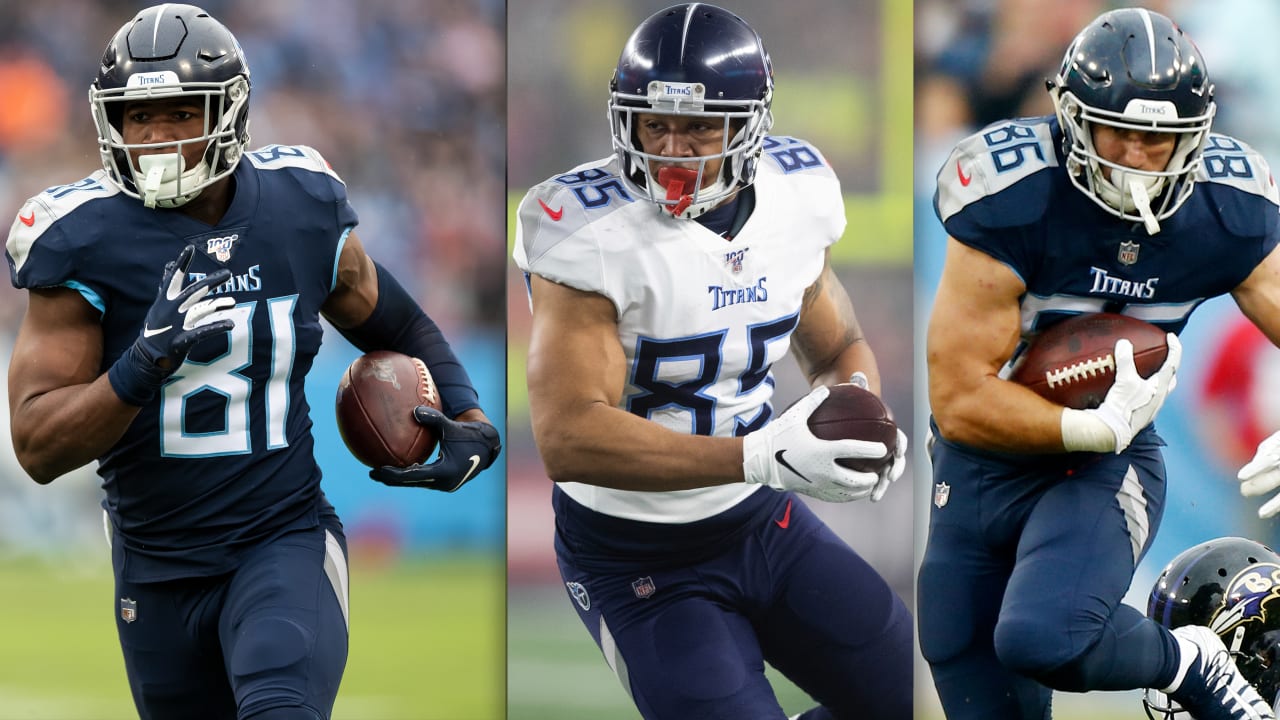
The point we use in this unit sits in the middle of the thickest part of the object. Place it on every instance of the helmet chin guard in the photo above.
(164, 176)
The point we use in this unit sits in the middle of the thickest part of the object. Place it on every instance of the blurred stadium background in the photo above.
(406, 100)
(978, 61)
(843, 77)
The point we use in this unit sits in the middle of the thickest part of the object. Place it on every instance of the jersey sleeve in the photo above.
(994, 185)
(48, 237)
(816, 185)
(314, 175)
(1243, 194)
(555, 241)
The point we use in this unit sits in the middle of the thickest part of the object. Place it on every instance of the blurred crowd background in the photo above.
(979, 61)
(842, 75)
(406, 99)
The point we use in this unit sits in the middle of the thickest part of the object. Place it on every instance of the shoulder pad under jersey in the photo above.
(39, 213)
(1240, 184)
(791, 155)
(996, 177)
(279, 157)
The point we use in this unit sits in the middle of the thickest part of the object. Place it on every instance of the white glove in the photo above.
(892, 471)
(1130, 405)
(1262, 475)
(786, 455)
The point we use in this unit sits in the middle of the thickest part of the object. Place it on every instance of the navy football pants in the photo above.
(689, 640)
(1022, 577)
(266, 641)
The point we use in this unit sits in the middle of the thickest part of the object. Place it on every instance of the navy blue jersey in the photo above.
(1005, 191)
(222, 458)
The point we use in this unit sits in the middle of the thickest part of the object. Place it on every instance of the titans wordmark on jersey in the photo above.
(1004, 191)
(223, 456)
(700, 319)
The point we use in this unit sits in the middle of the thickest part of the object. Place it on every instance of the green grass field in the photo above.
(556, 672)
(427, 642)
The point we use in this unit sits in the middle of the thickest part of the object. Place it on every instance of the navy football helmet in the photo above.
(1133, 69)
(693, 60)
(1232, 586)
(172, 51)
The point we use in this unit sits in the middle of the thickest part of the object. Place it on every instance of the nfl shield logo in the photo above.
(941, 494)
(128, 610)
(1128, 253)
(644, 587)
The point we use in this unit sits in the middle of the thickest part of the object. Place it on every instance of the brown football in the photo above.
(851, 412)
(1073, 362)
(376, 398)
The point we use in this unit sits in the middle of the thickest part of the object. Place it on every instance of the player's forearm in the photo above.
(608, 447)
(997, 415)
(856, 357)
(63, 429)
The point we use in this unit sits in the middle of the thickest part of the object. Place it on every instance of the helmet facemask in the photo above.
(680, 191)
(1130, 193)
(162, 179)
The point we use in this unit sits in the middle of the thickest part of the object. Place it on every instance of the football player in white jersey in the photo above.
(665, 281)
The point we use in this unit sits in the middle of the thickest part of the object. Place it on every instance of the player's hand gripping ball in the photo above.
(376, 398)
(1073, 363)
(854, 413)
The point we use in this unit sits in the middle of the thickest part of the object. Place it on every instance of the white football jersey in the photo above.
(701, 319)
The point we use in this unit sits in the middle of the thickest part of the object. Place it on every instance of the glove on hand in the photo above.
(786, 455)
(180, 318)
(466, 448)
(1261, 475)
(893, 470)
(1132, 402)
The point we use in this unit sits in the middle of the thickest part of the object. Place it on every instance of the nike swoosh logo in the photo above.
(28, 220)
(555, 214)
(782, 461)
(786, 517)
(475, 463)
(964, 179)
(152, 332)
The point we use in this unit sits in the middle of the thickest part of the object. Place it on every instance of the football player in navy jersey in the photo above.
(230, 564)
(1124, 202)
(665, 281)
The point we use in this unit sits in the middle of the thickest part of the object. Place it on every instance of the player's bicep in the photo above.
(355, 288)
(974, 326)
(59, 344)
(1259, 296)
(575, 358)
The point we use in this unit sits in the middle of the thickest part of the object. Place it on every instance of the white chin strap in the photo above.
(164, 175)
(1136, 196)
